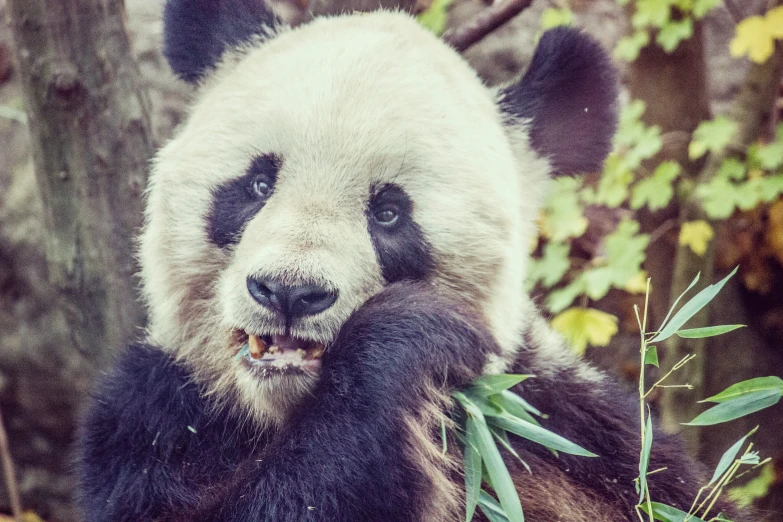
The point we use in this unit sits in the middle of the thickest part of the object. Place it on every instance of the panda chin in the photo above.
(271, 355)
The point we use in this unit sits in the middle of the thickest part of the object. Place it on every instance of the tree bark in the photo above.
(91, 136)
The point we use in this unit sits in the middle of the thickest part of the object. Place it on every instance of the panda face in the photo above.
(314, 169)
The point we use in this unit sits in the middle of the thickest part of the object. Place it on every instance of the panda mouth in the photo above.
(278, 354)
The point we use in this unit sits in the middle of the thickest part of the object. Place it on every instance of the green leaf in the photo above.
(712, 136)
(666, 513)
(745, 387)
(728, 457)
(515, 406)
(644, 456)
(491, 509)
(496, 469)
(472, 460)
(435, 17)
(679, 298)
(540, 435)
(553, 17)
(737, 407)
(483, 404)
(755, 489)
(771, 156)
(628, 48)
(702, 7)
(552, 266)
(651, 356)
(657, 190)
(492, 384)
(708, 331)
(732, 169)
(650, 13)
(563, 214)
(691, 308)
(674, 32)
(502, 437)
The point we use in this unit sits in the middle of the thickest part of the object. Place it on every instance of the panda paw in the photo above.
(409, 335)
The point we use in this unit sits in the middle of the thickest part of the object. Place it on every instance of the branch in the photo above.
(470, 33)
(8, 472)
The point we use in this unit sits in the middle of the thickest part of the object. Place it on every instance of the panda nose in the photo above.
(291, 301)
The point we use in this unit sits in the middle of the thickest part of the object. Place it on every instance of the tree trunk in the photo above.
(91, 136)
(675, 89)
(91, 143)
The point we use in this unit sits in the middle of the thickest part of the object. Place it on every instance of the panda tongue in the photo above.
(286, 342)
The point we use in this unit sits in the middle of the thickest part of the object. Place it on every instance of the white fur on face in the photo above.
(348, 103)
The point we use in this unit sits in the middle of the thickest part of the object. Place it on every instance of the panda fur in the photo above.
(341, 119)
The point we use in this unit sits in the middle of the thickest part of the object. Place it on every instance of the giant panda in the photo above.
(348, 199)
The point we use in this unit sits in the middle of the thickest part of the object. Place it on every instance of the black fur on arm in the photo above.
(603, 418)
(344, 454)
(148, 449)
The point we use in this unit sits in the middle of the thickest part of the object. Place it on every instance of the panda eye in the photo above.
(387, 215)
(262, 187)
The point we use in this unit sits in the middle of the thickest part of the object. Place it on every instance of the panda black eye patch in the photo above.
(399, 243)
(236, 201)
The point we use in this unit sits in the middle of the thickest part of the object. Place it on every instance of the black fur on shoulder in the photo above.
(149, 449)
(603, 418)
(569, 97)
(198, 32)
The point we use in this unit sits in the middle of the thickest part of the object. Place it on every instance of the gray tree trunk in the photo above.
(90, 126)
(91, 140)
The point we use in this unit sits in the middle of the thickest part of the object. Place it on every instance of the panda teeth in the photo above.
(317, 351)
(257, 347)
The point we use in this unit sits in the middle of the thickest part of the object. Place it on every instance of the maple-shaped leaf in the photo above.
(732, 168)
(774, 20)
(563, 215)
(552, 266)
(712, 136)
(696, 235)
(554, 17)
(583, 326)
(651, 13)
(674, 32)
(435, 17)
(628, 48)
(753, 39)
(657, 190)
(718, 198)
(702, 7)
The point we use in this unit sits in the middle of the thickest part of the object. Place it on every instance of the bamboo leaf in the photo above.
(691, 308)
(666, 513)
(737, 407)
(472, 460)
(679, 298)
(708, 331)
(745, 387)
(502, 437)
(644, 457)
(492, 384)
(651, 356)
(540, 435)
(516, 406)
(491, 508)
(728, 458)
(496, 469)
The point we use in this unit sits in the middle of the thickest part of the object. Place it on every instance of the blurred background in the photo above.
(694, 186)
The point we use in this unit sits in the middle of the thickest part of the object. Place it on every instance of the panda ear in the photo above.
(198, 32)
(566, 101)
